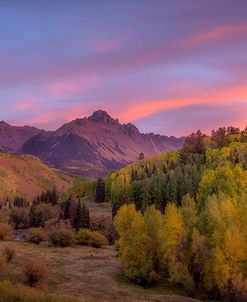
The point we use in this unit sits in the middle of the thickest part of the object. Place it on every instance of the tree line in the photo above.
(181, 216)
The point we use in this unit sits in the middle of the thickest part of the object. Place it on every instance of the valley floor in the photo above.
(86, 273)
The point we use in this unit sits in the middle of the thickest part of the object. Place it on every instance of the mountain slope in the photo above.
(27, 176)
(13, 137)
(96, 145)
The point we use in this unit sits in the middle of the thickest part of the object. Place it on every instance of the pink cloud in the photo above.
(27, 102)
(24, 105)
(221, 96)
(71, 85)
(107, 46)
(219, 32)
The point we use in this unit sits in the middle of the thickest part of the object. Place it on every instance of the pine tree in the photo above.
(81, 219)
(54, 196)
(100, 191)
(141, 156)
(86, 217)
(78, 217)
(72, 209)
(66, 207)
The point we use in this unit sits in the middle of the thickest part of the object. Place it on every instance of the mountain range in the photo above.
(89, 146)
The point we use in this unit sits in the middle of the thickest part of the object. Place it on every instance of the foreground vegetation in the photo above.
(77, 273)
(180, 227)
(195, 233)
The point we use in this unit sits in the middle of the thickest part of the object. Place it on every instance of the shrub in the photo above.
(39, 214)
(9, 254)
(91, 238)
(10, 292)
(4, 214)
(62, 237)
(35, 235)
(20, 202)
(19, 217)
(35, 271)
(105, 226)
(4, 230)
(2, 262)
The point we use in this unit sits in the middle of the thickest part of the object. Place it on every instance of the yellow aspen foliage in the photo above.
(235, 249)
(153, 223)
(138, 243)
(217, 271)
(228, 243)
(189, 213)
(198, 253)
(180, 275)
(228, 179)
(198, 248)
(174, 233)
(134, 253)
(124, 219)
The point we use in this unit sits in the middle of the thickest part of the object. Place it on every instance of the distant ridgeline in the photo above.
(26, 176)
(206, 165)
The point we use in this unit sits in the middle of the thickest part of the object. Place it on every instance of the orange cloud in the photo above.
(72, 85)
(218, 32)
(221, 96)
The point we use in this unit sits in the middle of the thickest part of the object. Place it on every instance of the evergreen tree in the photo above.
(66, 207)
(82, 217)
(141, 156)
(100, 191)
(54, 196)
(136, 194)
(86, 217)
(72, 209)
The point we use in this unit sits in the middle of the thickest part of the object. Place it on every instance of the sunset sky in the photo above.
(169, 66)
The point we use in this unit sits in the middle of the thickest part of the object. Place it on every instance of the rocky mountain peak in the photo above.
(102, 116)
(89, 146)
(4, 124)
(132, 129)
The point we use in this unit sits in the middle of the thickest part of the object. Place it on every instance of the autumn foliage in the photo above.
(35, 271)
(194, 233)
(193, 250)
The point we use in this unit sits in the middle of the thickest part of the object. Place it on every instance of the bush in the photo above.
(19, 217)
(2, 262)
(4, 230)
(9, 254)
(39, 214)
(35, 235)
(105, 226)
(62, 237)
(35, 271)
(4, 214)
(10, 292)
(91, 238)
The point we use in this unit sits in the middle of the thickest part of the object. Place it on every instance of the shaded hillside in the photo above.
(13, 137)
(168, 177)
(96, 145)
(27, 176)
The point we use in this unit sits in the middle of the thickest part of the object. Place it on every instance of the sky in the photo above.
(168, 66)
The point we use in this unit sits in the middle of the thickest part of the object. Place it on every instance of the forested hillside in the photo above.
(185, 216)
(27, 176)
(206, 165)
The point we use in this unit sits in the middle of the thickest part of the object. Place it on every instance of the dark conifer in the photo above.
(100, 191)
